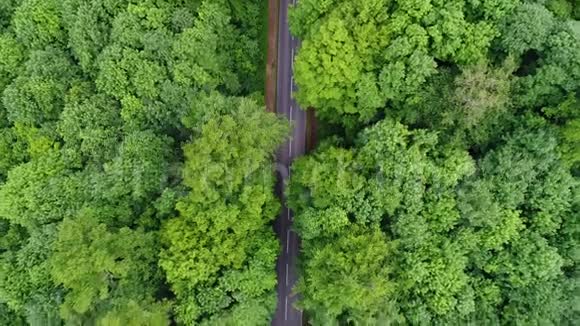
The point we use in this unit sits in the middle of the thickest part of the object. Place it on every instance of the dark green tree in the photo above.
(38, 24)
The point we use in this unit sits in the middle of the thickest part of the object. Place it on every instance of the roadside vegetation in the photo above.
(444, 190)
(136, 179)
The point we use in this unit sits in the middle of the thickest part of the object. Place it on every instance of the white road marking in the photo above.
(287, 244)
(291, 85)
(286, 274)
(290, 144)
(292, 63)
(286, 309)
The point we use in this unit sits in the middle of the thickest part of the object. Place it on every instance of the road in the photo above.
(286, 314)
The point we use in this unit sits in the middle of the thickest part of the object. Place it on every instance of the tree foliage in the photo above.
(98, 101)
(360, 57)
(467, 214)
(438, 237)
(226, 276)
(137, 176)
(106, 272)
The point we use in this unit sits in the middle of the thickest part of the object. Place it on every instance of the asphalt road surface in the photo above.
(286, 313)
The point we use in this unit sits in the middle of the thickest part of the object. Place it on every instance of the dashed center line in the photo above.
(290, 143)
(287, 244)
(286, 309)
(286, 277)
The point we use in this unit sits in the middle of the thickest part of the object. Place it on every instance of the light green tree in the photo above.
(106, 273)
(220, 250)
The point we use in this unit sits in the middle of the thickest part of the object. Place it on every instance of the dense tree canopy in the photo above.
(421, 233)
(106, 272)
(225, 276)
(137, 175)
(445, 188)
(127, 129)
(357, 56)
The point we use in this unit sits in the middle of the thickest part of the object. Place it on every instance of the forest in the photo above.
(444, 190)
(137, 163)
(136, 183)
